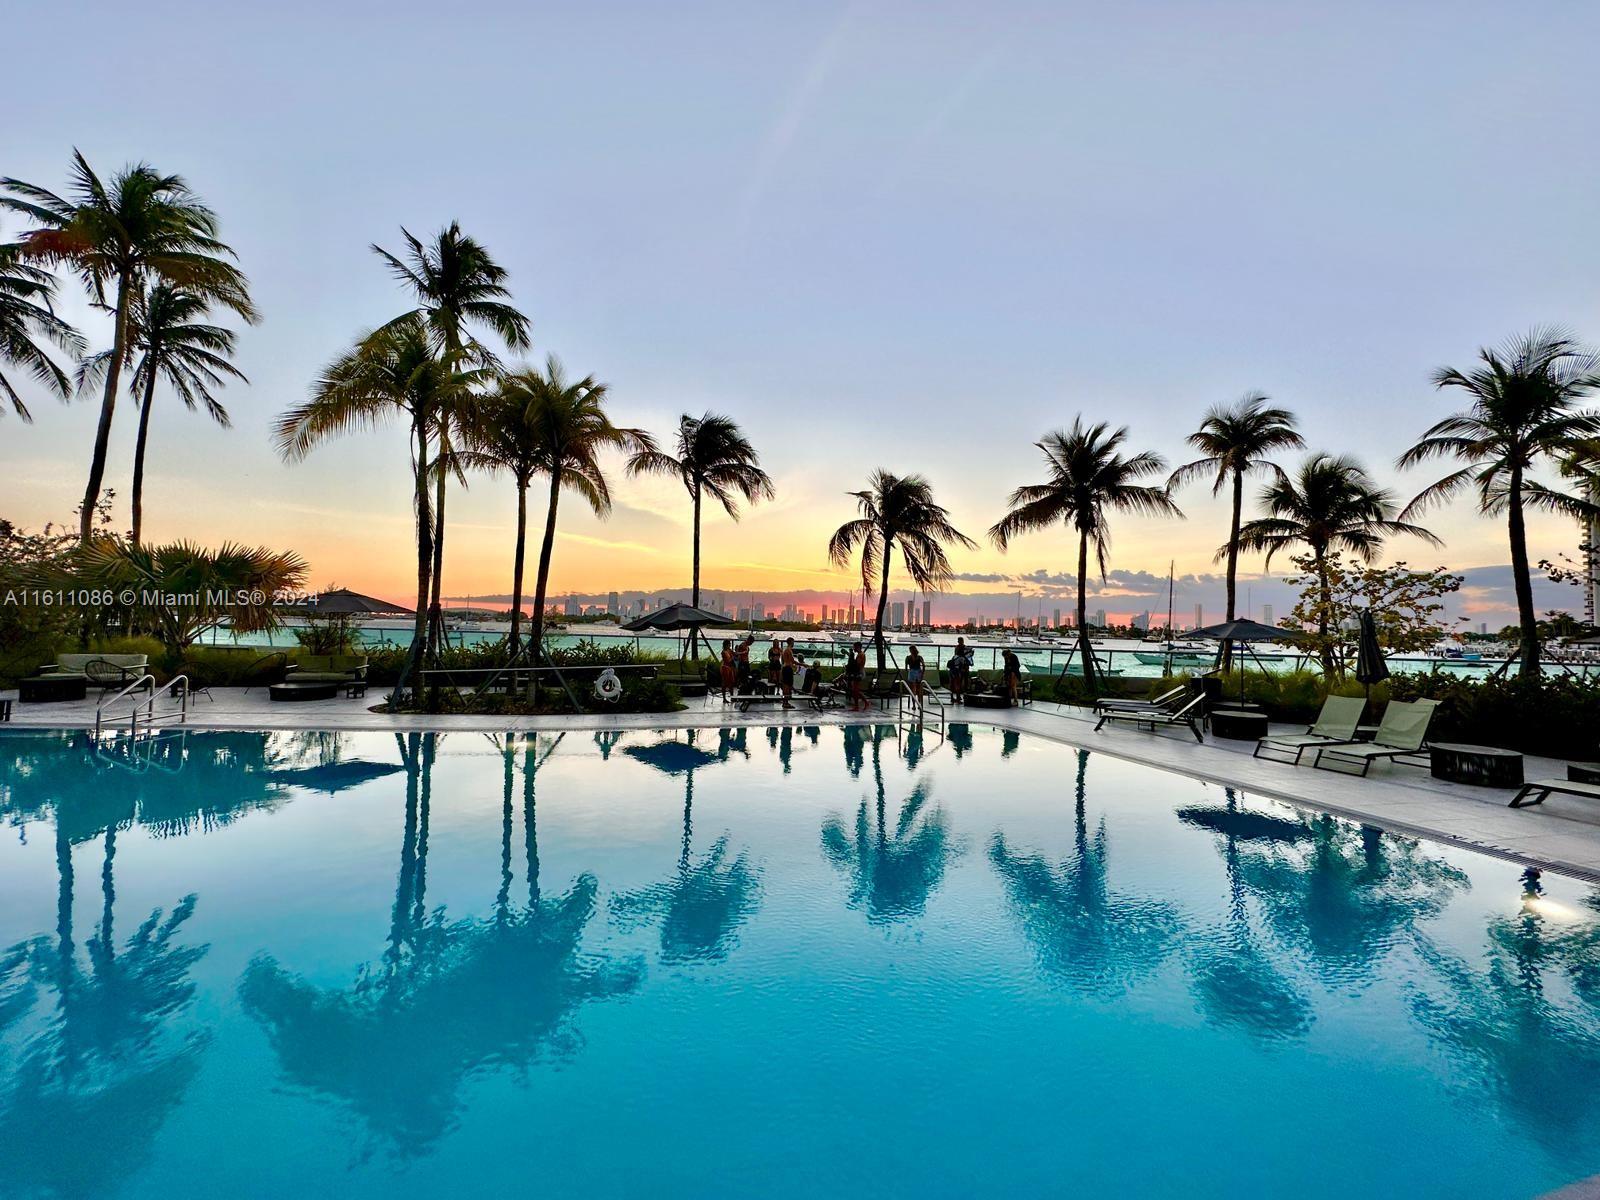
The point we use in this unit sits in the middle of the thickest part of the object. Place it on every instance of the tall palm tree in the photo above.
(1523, 409)
(1330, 504)
(713, 455)
(574, 431)
(897, 510)
(27, 318)
(176, 346)
(457, 284)
(1236, 440)
(1089, 479)
(392, 372)
(140, 228)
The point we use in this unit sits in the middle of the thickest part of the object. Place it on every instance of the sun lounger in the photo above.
(1535, 792)
(1337, 722)
(1401, 734)
(1189, 715)
(748, 700)
(1168, 701)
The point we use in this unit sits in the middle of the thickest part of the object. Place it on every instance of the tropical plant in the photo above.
(713, 456)
(1329, 504)
(193, 357)
(390, 372)
(141, 228)
(1522, 411)
(574, 431)
(1089, 479)
(1236, 441)
(27, 318)
(897, 511)
(457, 284)
(1407, 606)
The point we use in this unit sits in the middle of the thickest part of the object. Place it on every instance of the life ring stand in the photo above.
(608, 687)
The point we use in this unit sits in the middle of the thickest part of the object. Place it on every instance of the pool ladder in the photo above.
(904, 697)
(108, 720)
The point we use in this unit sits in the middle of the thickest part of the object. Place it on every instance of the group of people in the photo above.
(788, 672)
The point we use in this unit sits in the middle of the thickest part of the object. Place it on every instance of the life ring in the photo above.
(608, 686)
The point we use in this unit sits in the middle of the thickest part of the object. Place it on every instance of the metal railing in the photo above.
(105, 719)
(919, 704)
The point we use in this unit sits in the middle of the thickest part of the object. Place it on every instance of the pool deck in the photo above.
(1562, 834)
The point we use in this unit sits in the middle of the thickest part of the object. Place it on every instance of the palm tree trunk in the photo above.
(517, 564)
(1091, 675)
(1521, 581)
(139, 445)
(419, 631)
(546, 547)
(694, 590)
(108, 405)
(1324, 607)
(883, 600)
(1233, 542)
(435, 611)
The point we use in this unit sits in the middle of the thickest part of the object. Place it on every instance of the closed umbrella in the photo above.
(1371, 666)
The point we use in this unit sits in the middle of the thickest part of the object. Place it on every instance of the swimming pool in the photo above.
(785, 962)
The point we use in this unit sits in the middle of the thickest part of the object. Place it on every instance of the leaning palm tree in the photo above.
(1089, 480)
(139, 228)
(574, 431)
(28, 319)
(392, 372)
(1236, 441)
(1330, 504)
(457, 284)
(177, 346)
(714, 456)
(897, 510)
(1523, 410)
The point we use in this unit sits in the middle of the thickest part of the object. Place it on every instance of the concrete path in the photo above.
(1562, 834)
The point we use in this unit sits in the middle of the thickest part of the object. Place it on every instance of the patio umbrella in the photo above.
(1371, 667)
(675, 617)
(1243, 631)
(343, 602)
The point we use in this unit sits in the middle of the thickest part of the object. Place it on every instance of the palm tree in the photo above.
(1523, 409)
(391, 372)
(1236, 440)
(26, 318)
(192, 357)
(141, 228)
(1089, 479)
(574, 431)
(457, 284)
(1330, 504)
(897, 510)
(713, 456)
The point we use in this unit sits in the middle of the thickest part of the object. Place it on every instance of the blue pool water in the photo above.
(786, 962)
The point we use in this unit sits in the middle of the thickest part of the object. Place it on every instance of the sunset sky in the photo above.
(894, 235)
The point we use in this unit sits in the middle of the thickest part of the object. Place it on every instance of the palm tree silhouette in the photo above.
(1089, 479)
(27, 319)
(1085, 935)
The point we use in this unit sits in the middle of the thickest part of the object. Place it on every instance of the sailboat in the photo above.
(1174, 654)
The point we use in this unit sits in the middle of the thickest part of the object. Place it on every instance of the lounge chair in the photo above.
(1337, 722)
(327, 668)
(1535, 792)
(1168, 701)
(1402, 732)
(104, 671)
(1189, 715)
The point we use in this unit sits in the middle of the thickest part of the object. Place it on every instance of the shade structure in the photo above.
(343, 602)
(675, 617)
(1371, 667)
(1244, 630)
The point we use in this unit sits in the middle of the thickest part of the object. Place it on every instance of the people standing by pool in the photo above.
(1012, 667)
(729, 670)
(786, 671)
(855, 674)
(741, 663)
(915, 669)
(774, 664)
(960, 668)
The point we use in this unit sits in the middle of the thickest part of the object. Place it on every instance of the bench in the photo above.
(327, 668)
(1535, 792)
(96, 670)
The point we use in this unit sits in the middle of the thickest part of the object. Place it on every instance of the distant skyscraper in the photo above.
(744, 616)
(1142, 621)
(1199, 615)
(897, 614)
(573, 608)
(1056, 619)
(612, 605)
(1266, 614)
(1100, 617)
(927, 612)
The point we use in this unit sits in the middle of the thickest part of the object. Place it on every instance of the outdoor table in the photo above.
(1238, 724)
(355, 689)
(1483, 766)
(66, 687)
(303, 691)
(1583, 772)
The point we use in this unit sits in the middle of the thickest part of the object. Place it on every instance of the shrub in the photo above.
(1556, 715)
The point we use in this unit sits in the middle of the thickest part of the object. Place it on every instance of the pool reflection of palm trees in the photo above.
(450, 997)
(704, 903)
(1088, 937)
(892, 874)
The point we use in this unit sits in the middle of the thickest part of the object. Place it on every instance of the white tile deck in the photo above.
(1562, 834)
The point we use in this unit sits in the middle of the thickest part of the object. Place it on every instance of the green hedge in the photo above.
(1556, 714)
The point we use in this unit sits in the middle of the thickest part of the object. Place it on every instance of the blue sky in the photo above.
(915, 236)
